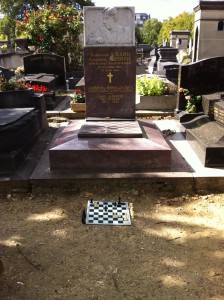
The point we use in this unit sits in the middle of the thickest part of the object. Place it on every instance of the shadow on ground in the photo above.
(173, 250)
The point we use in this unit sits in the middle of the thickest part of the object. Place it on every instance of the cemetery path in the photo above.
(173, 250)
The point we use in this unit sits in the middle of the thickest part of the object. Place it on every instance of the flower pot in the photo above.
(76, 107)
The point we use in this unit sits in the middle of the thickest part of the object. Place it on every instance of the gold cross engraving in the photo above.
(110, 76)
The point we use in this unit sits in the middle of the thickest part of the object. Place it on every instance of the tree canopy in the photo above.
(184, 21)
(15, 10)
(150, 31)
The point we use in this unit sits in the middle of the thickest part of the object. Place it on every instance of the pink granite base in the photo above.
(111, 154)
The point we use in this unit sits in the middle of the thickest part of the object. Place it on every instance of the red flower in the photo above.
(41, 37)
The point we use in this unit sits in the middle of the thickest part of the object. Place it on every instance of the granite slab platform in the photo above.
(104, 151)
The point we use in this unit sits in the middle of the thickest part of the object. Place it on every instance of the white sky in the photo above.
(158, 9)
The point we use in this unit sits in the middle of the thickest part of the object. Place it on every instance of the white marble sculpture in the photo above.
(109, 26)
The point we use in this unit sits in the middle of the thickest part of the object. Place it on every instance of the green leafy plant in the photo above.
(4, 47)
(55, 29)
(150, 87)
(193, 102)
(78, 96)
(186, 61)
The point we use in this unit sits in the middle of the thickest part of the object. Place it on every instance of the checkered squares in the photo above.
(108, 213)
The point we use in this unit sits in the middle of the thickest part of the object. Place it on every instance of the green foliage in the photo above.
(184, 21)
(150, 31)
(138, 35)
(186, 61)
(55, 29)
(7, 27)
(12, 84)
(150, 87)
(193, 102)
(78, 96)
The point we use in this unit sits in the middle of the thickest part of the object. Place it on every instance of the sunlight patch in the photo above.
(56, 214)
(11, 242)
(60, 232)
(170, 280)
(173, 262)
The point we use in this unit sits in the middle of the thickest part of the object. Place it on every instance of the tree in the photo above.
(15, 9)
(55, 29)
(150, 31)
(138, 35)
(184, 21)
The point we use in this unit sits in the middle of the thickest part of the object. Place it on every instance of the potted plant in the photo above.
(13, 93)
(78, 100)
(194, 103)
(155, 93)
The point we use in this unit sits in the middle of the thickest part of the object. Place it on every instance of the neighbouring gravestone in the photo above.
(22, 119)
(8, 74)
(208, 103)
(203, 77)
(46, 69)
(109, 62)
(219, 112)
(205, 135)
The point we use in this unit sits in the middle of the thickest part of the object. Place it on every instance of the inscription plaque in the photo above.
(110, 82)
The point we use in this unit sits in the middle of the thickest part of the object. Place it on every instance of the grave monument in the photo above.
(110, 138)
(204, 130)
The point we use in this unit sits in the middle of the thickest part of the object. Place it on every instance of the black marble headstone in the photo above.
(203, 77)
(46, 63)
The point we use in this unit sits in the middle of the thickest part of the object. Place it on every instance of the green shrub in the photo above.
(150, 87)
(186, 61)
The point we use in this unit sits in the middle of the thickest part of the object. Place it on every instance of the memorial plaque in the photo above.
(219, 112)
(110, 82)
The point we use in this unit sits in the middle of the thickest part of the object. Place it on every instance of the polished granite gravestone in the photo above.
(203, 133)
(19, 128)
(206, 137)
(110, 82)
(200, 78)
(49, 67)
(219, 112)
(119, 153)
(110, 139)
(208, 103)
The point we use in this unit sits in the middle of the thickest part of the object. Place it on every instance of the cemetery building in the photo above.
(179, 39)
(140, 19)
(208, 30)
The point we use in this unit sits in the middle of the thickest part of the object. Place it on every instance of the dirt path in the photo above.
(173, 250)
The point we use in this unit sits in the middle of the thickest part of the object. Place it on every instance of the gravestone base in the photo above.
(184, 116)
(110, 147)
(206, 137)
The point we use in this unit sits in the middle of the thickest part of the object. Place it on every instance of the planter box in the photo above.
(164, 102)
(78, 106)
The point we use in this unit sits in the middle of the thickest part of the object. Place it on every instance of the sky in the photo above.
(158, 9)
